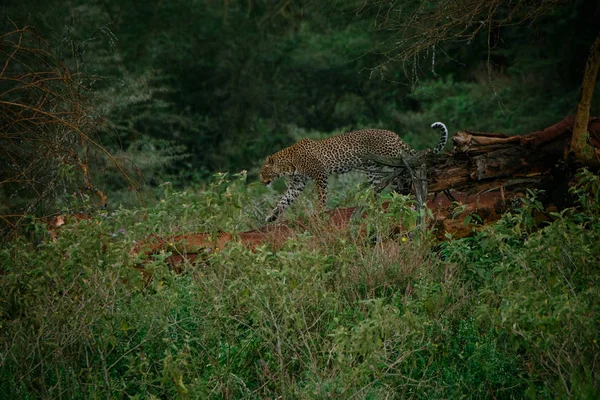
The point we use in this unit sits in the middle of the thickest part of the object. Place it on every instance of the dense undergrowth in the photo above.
(512, 312)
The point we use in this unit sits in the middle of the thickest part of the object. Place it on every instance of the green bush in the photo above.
(509, 313)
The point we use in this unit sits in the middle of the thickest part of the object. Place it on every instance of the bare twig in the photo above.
(48, 125)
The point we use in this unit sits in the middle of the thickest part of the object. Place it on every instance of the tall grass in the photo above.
(511, 312)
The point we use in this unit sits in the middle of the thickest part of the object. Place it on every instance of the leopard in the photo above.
(318, 159)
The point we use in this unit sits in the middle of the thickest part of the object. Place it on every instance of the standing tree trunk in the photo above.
(579, 142)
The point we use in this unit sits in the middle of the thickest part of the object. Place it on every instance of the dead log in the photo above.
(486, 170)
(481, 161)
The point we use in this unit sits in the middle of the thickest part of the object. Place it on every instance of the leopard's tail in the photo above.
(443, 138)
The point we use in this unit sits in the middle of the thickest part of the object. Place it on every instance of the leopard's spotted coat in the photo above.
(317, 159)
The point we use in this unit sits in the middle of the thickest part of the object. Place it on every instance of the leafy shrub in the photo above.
(509, 313)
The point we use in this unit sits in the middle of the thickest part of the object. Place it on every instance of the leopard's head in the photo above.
(273, 168)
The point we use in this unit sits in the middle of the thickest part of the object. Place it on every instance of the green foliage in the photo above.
(179, 90)
(538, 285)
(512, 106)
(510, 313)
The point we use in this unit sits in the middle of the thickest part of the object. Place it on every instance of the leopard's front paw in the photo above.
(271, 218)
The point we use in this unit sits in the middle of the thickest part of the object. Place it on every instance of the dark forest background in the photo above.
(187, 88)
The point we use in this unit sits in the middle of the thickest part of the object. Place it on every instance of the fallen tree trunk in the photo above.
(481, 161)
(486, 170)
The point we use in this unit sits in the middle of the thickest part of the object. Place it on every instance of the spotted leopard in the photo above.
(317, 159)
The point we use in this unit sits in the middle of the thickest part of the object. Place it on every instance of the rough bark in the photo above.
(579, 143)
(481, 161)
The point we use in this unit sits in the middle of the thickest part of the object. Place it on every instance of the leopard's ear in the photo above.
(269, 160)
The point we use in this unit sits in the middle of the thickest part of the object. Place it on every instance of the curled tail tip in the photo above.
(443, 138)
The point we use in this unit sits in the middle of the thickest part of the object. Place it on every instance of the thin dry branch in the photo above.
(418, 26)
(47, 126)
